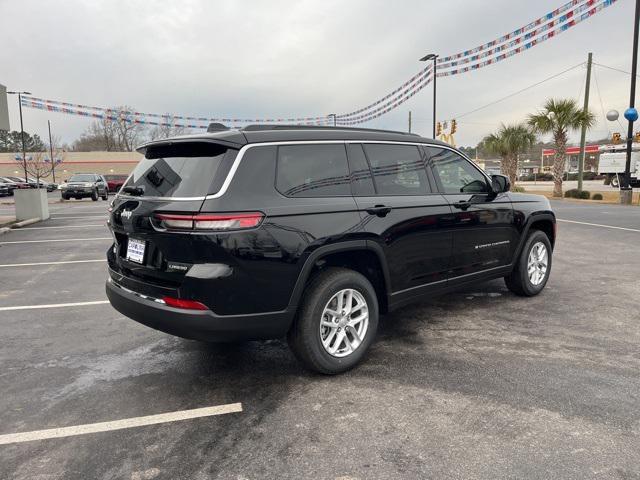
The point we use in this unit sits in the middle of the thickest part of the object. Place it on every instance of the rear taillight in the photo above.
(209, 221)
(184, 304)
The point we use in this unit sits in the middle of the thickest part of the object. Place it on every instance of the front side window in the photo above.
(312, 171)
(397, 169)
(455, 173)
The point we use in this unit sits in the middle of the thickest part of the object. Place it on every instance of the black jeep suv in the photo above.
(312, 233)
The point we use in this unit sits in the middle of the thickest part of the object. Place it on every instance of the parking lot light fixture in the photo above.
(426, 58)
(24, 155)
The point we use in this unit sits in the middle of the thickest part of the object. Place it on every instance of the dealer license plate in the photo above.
(135, 250)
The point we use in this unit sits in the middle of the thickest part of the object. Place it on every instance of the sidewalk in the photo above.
(6, 220)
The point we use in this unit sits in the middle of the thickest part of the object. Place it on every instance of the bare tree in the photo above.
(117, 131)
(128, 132)
(40, 166)
(167, 128)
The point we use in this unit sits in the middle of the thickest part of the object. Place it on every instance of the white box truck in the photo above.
(613, 159)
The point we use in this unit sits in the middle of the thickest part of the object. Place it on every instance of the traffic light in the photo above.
(454, 126)
(636, 137)
(617, 138)
(438, 128)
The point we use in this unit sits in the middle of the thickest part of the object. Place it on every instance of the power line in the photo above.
(604, 115)
(519, 91)
(614, 69)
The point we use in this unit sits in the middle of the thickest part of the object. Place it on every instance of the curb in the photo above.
(24, 223)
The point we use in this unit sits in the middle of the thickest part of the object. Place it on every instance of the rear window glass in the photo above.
(179, 170)
(313, 171)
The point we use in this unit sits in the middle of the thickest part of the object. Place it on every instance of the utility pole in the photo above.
(53, 162)
(334, 118)
(409, 121)
(626, 193)
(583, 133)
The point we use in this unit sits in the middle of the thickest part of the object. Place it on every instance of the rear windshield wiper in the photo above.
(135, 191)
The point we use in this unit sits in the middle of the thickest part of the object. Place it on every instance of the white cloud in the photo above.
(283, 58)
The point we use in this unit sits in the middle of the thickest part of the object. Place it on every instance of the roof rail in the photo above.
(266, 126)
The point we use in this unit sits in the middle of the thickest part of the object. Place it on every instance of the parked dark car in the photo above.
(50, 187)
(4, 190)
(9, 185)
(312, 233)
(19, 182)
(115, 182)
(85, 185)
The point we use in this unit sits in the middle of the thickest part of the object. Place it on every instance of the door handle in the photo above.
(462, 204)
(379, 210)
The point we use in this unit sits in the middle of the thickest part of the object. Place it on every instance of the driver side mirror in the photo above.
(500, 184)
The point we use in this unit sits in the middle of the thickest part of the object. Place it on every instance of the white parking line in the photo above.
(599, 225)
(62, 226)
(57, 240)
(120, 424)
(50, 263)
(52, 305)
(56, 217)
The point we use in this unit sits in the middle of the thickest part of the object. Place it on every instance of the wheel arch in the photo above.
(543, 221)
(363, 256)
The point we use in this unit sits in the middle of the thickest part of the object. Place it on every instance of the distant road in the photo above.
(590, 185)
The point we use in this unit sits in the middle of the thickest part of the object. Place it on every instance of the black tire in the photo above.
(64, 197)
(304, 336)
(94, 195)
(106, 195)
(615, 182)
(518, 281)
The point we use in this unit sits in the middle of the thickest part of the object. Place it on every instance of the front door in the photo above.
(409, 221)
(484, 234)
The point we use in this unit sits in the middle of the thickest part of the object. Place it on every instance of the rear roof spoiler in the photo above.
(216, 127)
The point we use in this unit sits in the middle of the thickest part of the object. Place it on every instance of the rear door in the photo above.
(405, 216)
(171, 179)
(484, 234)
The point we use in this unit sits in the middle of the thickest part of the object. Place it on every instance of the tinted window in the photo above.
(455, 173)
(179, 170)
(313, 171)
(83, 178)
(361, 180)
(397, 169)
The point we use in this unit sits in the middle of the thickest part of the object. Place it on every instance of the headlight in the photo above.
(88, 184)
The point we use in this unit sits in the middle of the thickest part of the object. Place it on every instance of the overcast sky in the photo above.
(306, 57)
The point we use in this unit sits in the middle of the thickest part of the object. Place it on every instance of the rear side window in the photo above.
(398, 169)
(181, 169)
(312, 171)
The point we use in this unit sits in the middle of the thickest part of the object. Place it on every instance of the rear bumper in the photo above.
(195, 324)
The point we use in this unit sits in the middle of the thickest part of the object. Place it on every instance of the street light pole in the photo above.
(24, 150)
(53, 163)
(434, 57)
(626, 193)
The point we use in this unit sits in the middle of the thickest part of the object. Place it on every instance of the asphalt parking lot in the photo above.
(475, 384)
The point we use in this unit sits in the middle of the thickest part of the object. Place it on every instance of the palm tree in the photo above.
(559, 117)
(508, 142)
